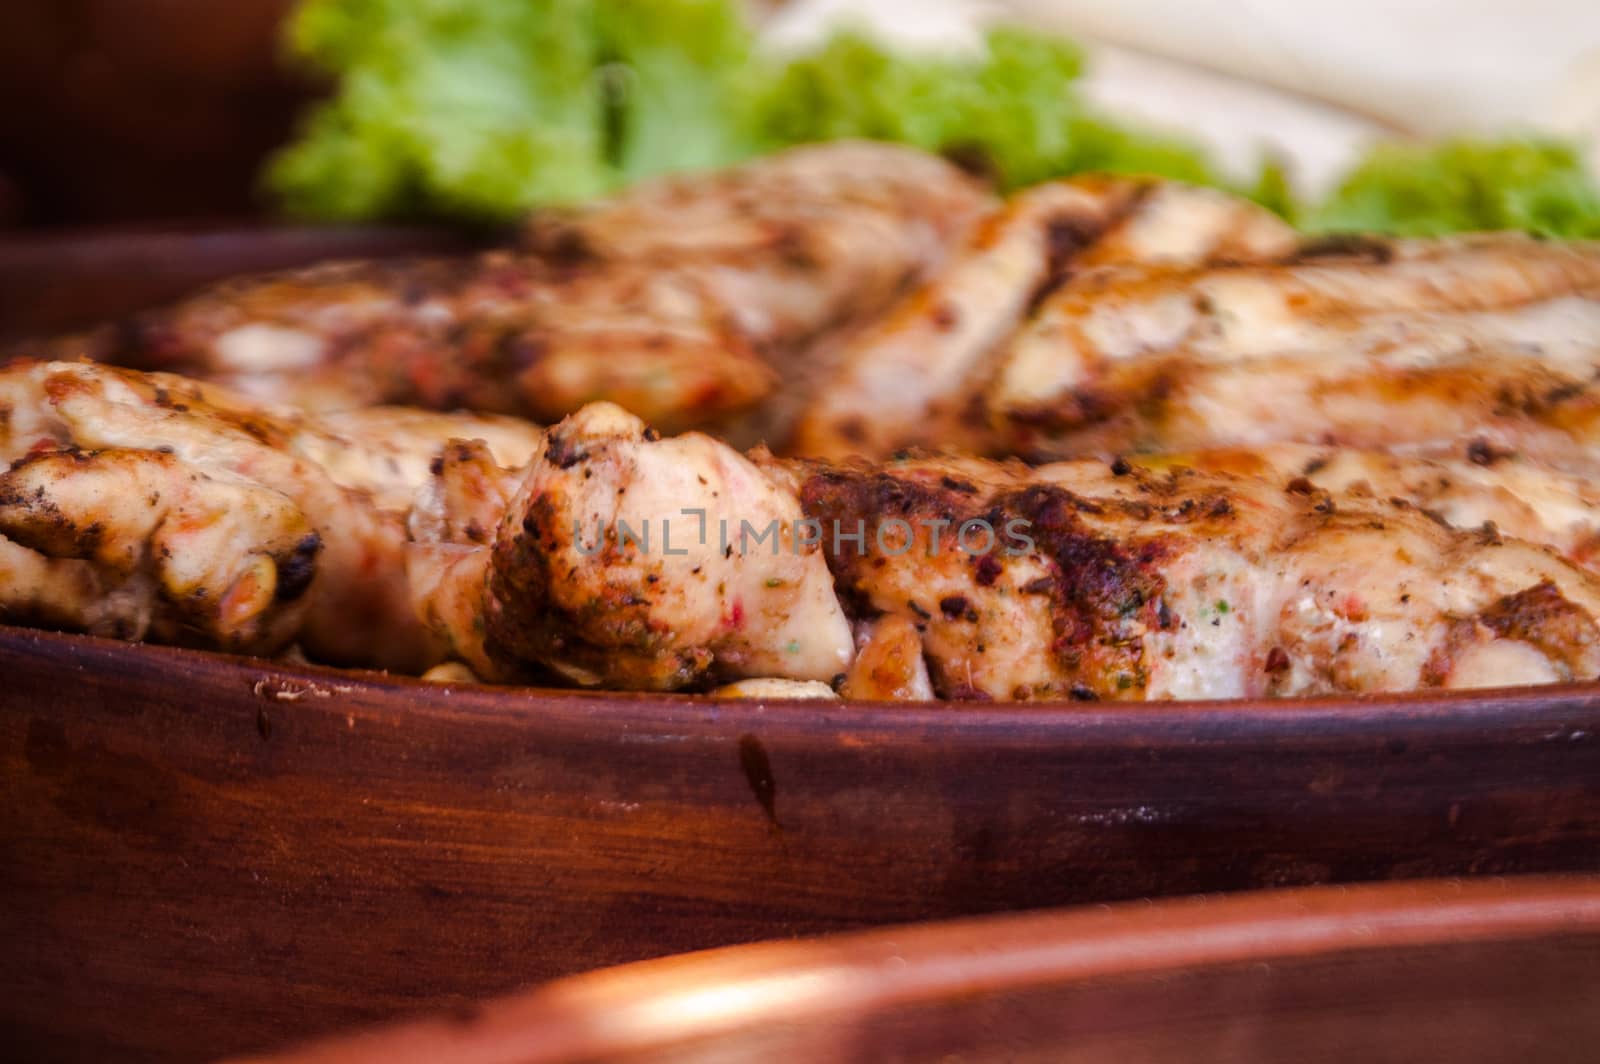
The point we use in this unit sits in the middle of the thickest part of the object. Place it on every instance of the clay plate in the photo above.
(1431, 971)
(203, 855)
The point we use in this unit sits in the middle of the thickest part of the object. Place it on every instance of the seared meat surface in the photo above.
(1259, 466)
(146, 506)
(909, 378)
(1081, 579)
(1479, 488)
(150, 506)
(1420, 345)
(620, 561)
(671, 299)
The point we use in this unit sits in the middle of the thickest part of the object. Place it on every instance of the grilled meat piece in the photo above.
(1416, 345)
(669, 299)
(1074, 580)
(888, 665)
(218, 562)
(908, 378)
(181, 512)
(629, 560)
(1479, 488)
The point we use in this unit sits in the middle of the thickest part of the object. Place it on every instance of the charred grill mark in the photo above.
(1069, 233)
(839, 497)
(1536, 614)
(296, 569)
(986, 570)
(1375, 250)
(89, 539)
(850, 494)
(1482, 452)
(562, 452)
(1105, 592)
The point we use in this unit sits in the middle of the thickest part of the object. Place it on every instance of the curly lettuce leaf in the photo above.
(672, 74)
(1013, 111)
(1458, 186)
(485, 108)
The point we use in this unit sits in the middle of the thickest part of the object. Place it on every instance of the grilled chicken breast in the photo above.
(676, 299)
(156, 507)
(1481, 488)
(909, 377)
(1414, 345)
(1080, 579)
(621, 561)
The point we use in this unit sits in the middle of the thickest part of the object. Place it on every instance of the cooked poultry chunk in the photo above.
(1421, 345)
(67, 593)
(389, 452)
(219, 562)
(790, 243)
(888, 665)
(1189, 586)
(213, 520)
(452, 527)
(1080, 579)
(666, 299)
(503, 333)
(633, 561)
(907, 378)
(1483, 487)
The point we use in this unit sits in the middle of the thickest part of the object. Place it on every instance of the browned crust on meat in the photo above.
(1104, 594)
(1540, 616)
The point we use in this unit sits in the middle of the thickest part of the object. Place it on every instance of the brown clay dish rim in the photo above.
(653, 1004)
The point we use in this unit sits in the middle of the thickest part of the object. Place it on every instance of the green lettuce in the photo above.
(1013, 112)
(485, 108)
(488, 107)
(1462, 186)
